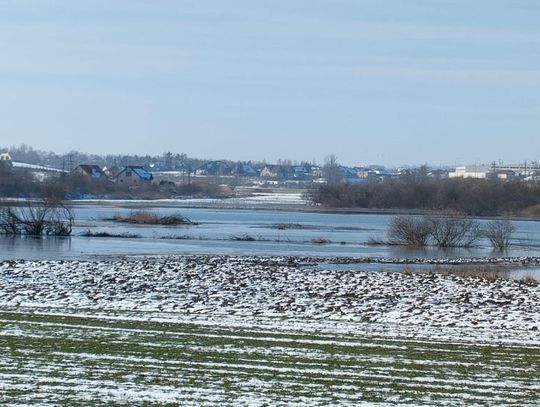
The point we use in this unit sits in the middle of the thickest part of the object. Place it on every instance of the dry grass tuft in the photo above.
(148, 218)
(488, 273)
(532, 210)
(529, 280)
(408, 271)
(481, 272)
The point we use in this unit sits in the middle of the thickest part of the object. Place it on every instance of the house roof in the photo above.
(244, 169)
(92, 170)
(139, 171)
(215, 167)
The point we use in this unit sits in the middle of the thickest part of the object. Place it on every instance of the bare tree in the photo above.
(9, 224)
(409, 231)
(331, 169)
(452, 229)
(499, 233)
(47, 216)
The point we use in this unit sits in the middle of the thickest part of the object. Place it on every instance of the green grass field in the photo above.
(51, 359)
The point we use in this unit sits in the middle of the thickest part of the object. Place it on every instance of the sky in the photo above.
(374, 82)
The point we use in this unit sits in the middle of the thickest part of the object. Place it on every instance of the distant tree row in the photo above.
(166, 162)
(468, 196)
(25, 153)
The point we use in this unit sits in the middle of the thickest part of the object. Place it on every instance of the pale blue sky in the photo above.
(382, 81)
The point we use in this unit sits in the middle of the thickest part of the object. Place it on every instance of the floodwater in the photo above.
(217, 230)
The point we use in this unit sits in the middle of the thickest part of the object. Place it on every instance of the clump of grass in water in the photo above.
(128, 235)
(320, 240)
(283, 226)
(377, 241)
(178, 237)
(245, 238)
(149, 218)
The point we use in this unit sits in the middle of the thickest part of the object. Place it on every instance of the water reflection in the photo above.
(24, 247)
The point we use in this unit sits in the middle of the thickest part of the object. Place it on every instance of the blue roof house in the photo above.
(134, 175)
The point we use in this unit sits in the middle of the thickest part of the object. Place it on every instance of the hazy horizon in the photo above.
(442, 83)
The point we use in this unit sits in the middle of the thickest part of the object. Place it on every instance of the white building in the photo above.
(506, 172)
(472, 171)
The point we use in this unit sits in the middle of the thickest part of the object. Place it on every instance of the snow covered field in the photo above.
(221, 330)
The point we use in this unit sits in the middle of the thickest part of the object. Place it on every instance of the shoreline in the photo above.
(241, 204)
(284, 207)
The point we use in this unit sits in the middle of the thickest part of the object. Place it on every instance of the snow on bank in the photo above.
(253, 200)
(276, 289)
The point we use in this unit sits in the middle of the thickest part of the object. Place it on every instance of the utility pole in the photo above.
(70, 162)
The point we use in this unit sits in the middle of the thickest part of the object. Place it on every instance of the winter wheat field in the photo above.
(261, 331)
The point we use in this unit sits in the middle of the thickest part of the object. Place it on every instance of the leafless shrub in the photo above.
(409, 231)
(453, 230)
(47, 216)
(499, 233)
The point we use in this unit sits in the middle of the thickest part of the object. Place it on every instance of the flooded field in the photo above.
(237, 232)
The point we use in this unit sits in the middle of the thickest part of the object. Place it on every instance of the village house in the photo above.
(5, 161)
(301, 172)
(472, 171)
(89, 170)
(134, 175)
(277, 172)
(271, 172)
(366, 174)
(316, 172)
(244, 170)
(347, 173)
(214, 168)
(506, 175)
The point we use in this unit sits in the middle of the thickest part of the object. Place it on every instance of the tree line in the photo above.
(473, 197)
